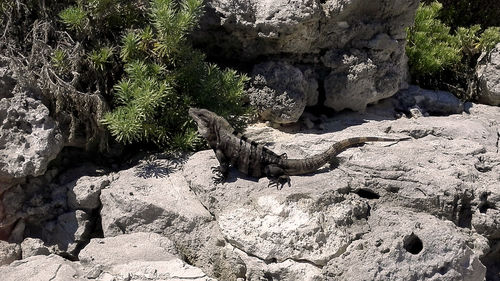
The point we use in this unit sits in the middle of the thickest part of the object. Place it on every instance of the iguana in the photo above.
(255, 159)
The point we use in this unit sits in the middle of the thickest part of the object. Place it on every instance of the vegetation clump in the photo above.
(440, 57)
(122, 66)
(164, 75)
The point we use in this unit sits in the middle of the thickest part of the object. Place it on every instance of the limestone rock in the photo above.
(140, 256)
(69, 232)
(9, 252)
(278, 92)
(84, 192)
(417, 247)
(488, 75)
(29, 138)
(248, 29)
(357, 79)
(51, 267)
(431, 102)
(353, 49)
(443, 181)
(134, 203)
(122, 249)
(154, 198)
(296, 227)
(33, 247)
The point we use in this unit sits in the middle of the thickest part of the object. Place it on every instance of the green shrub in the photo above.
(430, 46)
(440, 58)
(489, 38)
(59, 61)
(99, 58)
(74, 17)
(164, 75)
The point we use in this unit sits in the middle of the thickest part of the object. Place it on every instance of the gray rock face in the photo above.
(278, 92)
(83, 193)
(428, 101)
(358, 79)
(142, 256)
(34, 247)
(151, 198)
(138, 256)
(414, 242)
(352, 50)
(110, 251)
(413, 210)
(51, 267)
(69, 232)
(29, 138)
(488, 75)
(422, 209)
(296, 227)
(9, 252)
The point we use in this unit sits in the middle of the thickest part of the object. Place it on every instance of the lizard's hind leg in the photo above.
(276, 176)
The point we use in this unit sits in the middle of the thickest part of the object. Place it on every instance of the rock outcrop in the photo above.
(138, 256)
(488, 76)
(351, 53)
(29, 138)
(414, 205)
(423, 209)
(428, 102)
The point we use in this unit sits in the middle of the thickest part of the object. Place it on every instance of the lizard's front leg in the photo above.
(220, 172)
(276, 175)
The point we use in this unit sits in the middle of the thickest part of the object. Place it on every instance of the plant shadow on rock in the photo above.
(153, 168)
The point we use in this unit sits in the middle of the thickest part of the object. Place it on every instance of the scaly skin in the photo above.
(254, 159)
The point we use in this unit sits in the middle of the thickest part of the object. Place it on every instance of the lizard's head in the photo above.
(208, 121)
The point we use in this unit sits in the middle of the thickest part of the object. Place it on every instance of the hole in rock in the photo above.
(367, 193)
(413, 244)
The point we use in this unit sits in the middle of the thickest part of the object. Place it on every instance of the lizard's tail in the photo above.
(313, 163)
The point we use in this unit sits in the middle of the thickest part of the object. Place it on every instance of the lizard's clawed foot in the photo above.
(279, 182)
(219, 175)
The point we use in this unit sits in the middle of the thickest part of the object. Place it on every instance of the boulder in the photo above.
(278, 92)
(143, 256)
(417, 247)
(139, 256)
(29, 138)
(151, 197)
(51, 267)
(122, 249)
(488, 76)
(69, 232)
(83, 193)
(34, 247)
(429, 102)
(9, 252)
